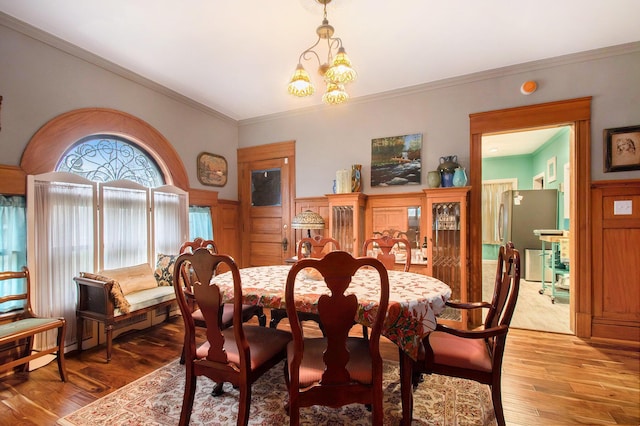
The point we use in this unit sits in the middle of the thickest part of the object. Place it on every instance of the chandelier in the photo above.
(336, 71)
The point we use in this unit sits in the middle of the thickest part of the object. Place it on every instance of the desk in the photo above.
(414, 299)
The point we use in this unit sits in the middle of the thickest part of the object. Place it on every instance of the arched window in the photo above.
(105, 158)
(115, 197)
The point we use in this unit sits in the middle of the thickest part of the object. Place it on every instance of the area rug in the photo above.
(156, 399)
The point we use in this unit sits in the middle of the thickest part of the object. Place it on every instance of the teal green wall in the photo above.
(524, 168)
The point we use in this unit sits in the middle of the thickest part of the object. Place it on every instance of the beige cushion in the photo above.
(132, 278)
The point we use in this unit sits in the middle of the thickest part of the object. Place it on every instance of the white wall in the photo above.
(330, 138)
(39, 82)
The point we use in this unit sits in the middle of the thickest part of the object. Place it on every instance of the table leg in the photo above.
(406, 387)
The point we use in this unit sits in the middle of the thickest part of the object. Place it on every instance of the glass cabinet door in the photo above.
(447, 236)
(346, 220)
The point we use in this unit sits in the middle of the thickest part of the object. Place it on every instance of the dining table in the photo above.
(415, 300)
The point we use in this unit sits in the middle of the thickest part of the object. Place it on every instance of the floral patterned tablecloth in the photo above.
(414, 299)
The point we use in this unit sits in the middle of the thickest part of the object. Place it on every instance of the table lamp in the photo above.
(307, 220)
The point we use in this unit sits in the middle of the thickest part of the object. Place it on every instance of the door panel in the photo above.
(266, 188)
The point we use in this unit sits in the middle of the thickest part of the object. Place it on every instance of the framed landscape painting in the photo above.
(212, 169)
(396, 160)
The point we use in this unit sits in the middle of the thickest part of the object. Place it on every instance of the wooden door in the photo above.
(266, 198)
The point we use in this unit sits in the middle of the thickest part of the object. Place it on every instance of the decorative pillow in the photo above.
(164, 269)
(133, 278)
(116, 291)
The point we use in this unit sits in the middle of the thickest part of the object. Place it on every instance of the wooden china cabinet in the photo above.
(346, 220)
(446, 212)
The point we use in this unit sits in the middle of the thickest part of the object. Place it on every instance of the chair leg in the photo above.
(365, 332)
(79, 332)
(62, 368)
(217, 389)
(406, 387)
(262, 318)
(28, 349)
(276, 316)
(189, 394)
(496, 397)
(109, 332)
(244, 404)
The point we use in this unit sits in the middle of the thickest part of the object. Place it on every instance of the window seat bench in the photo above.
(116, 296)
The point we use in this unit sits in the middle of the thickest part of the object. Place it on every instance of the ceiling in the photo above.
(237, 56)
(518, 143)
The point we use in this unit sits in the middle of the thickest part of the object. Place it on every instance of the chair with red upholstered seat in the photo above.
(317, 246)
(239, 354)
(472, 354)
(317, 249)
(335, 370)
(248, 311)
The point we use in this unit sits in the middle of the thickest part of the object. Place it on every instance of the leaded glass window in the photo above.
(105, 158)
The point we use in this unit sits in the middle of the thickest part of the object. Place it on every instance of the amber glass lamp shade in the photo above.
(335, 94)
(300, 84)
(341, 71)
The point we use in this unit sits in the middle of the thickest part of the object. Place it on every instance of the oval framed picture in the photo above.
(212, 169)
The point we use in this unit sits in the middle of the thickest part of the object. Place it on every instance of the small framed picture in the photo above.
(622, 149)
(212, 169)
(551, 169)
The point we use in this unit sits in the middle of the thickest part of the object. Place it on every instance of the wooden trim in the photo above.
(272, 150)
(531, 116)
(281, 150)
(575, 112)
(47, 146)
(13, 180)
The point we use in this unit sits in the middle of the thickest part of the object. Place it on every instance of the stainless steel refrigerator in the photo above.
(522, 211)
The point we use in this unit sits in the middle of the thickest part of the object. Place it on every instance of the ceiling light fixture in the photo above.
(336, 71)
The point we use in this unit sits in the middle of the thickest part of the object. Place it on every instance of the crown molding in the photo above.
(589, 55)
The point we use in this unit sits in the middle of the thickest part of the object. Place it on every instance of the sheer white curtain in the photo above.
(13, 245)
(491, 199)
(170, 207)
(200, 223)
(61, 236)
(125, 222)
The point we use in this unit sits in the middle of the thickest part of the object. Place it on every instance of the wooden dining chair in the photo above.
(239, 354)
(318, 244)
(248, 311)
(336, 370)
(471, 354)
(386, 244)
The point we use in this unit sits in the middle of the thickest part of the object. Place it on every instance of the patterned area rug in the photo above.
(156, 399)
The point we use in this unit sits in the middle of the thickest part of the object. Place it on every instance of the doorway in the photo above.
(521, 166)
(575, 113)
(266, 190)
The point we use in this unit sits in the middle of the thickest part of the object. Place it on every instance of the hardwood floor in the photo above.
(548, 379)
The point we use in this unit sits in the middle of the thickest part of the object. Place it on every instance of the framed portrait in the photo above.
(551, 169)
(396, 160)
(622, 149)
(212, 169)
